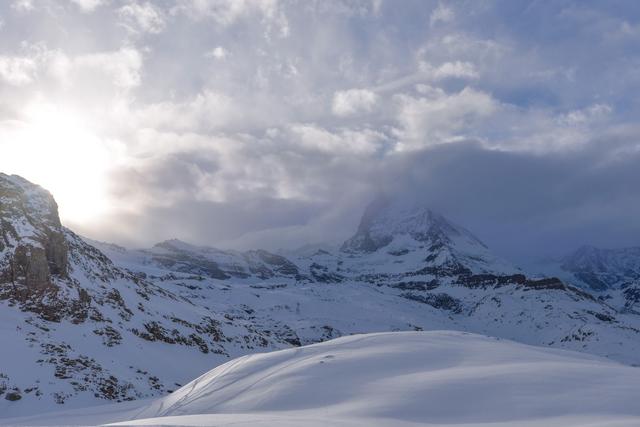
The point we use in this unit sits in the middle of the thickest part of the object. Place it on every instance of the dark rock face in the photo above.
(32, 243)
(29, 266)
(441, 301)
(631, 295)
(322, 274)
(187, 263)
(280, 264)
(56, 251)
(13, 396)
(219, 264)
(363, 241)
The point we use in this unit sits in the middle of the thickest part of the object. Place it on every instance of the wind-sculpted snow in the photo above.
(394, 379)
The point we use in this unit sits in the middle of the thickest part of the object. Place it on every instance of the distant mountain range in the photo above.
(603, 269)
(83, 322)
(612, 275)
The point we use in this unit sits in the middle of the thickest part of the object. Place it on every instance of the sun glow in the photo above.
(55, 149)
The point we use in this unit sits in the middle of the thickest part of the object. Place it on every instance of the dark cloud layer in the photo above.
(524, 205)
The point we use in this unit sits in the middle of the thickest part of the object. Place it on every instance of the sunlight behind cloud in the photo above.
(52, 146)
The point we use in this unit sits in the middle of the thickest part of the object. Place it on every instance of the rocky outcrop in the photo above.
(219, 264)
(33, 247)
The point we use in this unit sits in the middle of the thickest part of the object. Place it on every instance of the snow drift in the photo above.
(397, 379)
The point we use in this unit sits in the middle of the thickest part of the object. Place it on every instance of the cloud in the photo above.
(629, 30)
(204, 112)
(442, 14)
(17, 70)
(525, 205)
(455, 69)
(217, 53)
(353, 101)
(88, 5)
(436, 117)
(458, 45)
(23, 5)
(143, 17)
(583, 116)
(39, 64)
(121, 67)
(342, 142)
(227, 12)
(23, 68)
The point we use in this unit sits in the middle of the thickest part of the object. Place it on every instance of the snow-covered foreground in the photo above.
(392, 379)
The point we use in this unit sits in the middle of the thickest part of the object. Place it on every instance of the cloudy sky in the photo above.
(272, 123)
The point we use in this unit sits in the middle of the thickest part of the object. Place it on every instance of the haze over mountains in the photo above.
(79, 319)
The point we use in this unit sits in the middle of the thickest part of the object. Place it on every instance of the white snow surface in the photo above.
(431, 378)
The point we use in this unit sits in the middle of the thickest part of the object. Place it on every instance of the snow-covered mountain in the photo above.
(80, 319)
(407, 232)
(596, 269)
(602, 269)
(612, 275)
(178, 256)
(405, 379)
(74, 327)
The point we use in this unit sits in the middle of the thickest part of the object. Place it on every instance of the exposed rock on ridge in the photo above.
(32, 242)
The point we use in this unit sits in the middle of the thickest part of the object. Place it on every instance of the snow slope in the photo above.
(395, 379)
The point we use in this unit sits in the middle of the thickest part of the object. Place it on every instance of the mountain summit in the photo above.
(385, 219)
(406, 227)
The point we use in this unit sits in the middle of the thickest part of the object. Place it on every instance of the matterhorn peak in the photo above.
(406, 227)
(386, 218)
